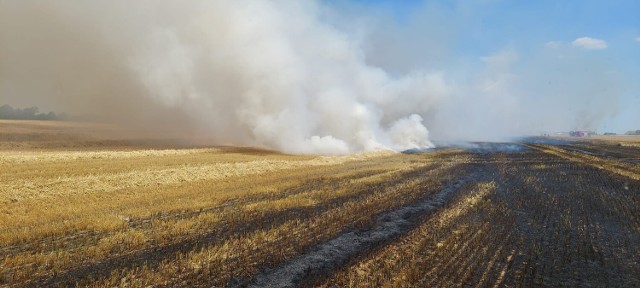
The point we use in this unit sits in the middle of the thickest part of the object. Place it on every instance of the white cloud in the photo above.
(553, 44)
(590, 43)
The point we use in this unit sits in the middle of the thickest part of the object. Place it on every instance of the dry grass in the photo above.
(75, 215)
(60, 183)
(630, 139)
(64, 210)
(630, 170)
(549, 226)
(114, 215)
(445, 240)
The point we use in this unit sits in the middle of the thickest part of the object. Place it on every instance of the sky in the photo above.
(476, 29)
(328, 76)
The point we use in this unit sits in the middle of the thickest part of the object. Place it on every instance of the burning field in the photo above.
(123, 214)
(252, 143)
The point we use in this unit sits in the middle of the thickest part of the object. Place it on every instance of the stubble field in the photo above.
(80, 210)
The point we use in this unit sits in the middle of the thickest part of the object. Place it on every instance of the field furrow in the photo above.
(487, 215)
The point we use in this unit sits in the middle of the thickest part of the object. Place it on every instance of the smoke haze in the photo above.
(297, 76)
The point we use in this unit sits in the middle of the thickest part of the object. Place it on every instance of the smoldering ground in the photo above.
(287, 75)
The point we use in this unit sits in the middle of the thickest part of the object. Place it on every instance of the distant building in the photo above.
(582, 133)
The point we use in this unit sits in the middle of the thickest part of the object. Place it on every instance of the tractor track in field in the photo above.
(628, 155)
(153, 256)
(324, 258)
(628, 169)
(515, 239)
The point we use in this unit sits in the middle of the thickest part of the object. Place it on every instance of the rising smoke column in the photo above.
(265, 73)
(296, 76)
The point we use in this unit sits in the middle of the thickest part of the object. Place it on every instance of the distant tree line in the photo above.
(31, 113)
(637, 132)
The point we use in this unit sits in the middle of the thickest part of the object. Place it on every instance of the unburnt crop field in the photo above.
(78, 210)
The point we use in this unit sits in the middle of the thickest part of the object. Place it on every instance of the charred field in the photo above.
(96, 213)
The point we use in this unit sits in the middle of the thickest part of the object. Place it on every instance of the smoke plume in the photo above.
(245, 72)
(276, 74)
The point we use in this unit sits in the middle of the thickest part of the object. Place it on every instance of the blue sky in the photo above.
(502, 22)
(536, 31)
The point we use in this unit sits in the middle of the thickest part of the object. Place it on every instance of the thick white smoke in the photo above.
(324, 77)
(248, 72)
